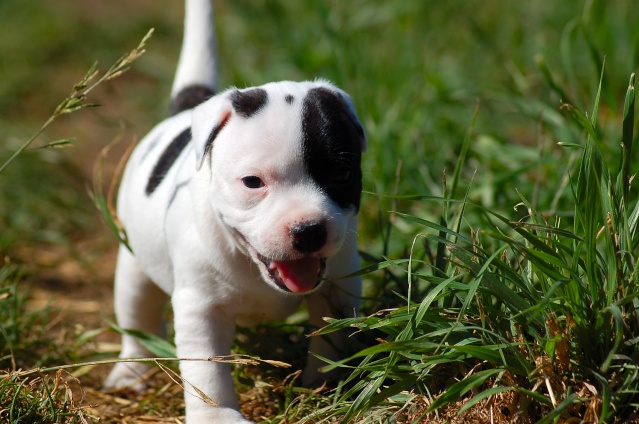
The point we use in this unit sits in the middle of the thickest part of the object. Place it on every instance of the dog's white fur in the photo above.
(195, 238)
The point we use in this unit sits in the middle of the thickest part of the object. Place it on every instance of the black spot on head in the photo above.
(289, 99)
(189, 97)
(248, 103)
(168, 157)
(332, 146)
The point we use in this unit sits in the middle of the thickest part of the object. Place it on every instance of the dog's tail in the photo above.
(196, 75)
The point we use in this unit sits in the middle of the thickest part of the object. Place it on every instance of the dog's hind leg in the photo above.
(139, 305)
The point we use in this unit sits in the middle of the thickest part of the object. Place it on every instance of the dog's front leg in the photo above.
(203, 330)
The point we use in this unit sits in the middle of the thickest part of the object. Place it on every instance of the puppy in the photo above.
(237, 207)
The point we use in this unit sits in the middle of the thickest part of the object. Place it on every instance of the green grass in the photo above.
(542, 306)
(499, 224)
(27, 341)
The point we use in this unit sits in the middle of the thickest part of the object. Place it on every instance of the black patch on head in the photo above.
(332, 141)
(248, 103)
(168, 157)
(189, 97)
(289, 99)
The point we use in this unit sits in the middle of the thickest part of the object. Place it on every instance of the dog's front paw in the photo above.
(127, 375)
(218, 415)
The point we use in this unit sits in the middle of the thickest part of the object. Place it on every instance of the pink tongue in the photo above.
(299, 275)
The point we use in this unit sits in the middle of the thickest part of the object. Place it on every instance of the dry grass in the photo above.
(78, 296)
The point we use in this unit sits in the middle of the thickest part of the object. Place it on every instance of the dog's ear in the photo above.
(209, 118)
(350, 111)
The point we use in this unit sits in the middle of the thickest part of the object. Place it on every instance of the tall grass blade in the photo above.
(552, 415)
(159, 346)
(627, 136)
(619, 324)
(481, 396)
(595, 108)
(77, 98)
(457, 390)
(461, 160)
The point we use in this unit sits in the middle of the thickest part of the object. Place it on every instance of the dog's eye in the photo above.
(253, 182)
(342, 176)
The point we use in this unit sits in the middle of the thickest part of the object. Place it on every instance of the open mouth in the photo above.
(296, 275)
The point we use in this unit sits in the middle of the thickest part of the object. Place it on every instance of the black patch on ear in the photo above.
(216, 130)
(167, 159)
(248, 103)
(189, 97)
(289, 99)
(332, 147)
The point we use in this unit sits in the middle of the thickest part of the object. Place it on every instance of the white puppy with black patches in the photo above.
(237, 207)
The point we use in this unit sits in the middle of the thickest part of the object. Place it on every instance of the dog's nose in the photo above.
(308, 237)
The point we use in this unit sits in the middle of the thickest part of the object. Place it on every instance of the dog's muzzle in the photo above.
(300, 275)
(296, 275)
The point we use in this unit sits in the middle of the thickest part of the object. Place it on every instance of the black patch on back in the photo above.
(167, 159)
(289, 99)
(332, 146)
(189, 97)
(248, 103)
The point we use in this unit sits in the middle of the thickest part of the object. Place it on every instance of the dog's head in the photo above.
(285, 177)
